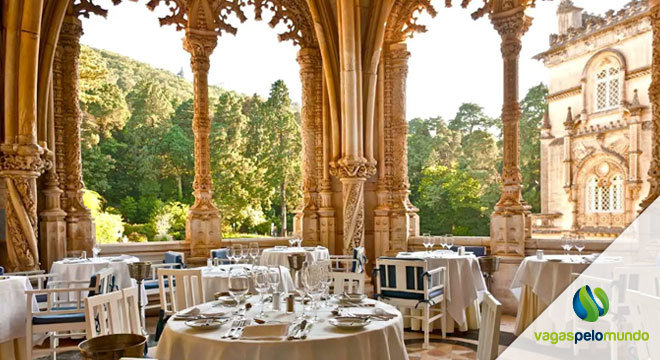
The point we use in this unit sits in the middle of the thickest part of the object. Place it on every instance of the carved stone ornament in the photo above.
(654, 94)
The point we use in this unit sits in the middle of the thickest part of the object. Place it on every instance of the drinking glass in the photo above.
(244, 254)
(580, 244)
(311, 278)
(254, 252)
(209, 263)
(450, 241)
(298, 242)
(274, 280)
(96, 250)
(239, 284)
(428, 242)
(326, 279)
(261, 276)
(292, 242)
(443, 241)
(567, 244)
(230, 254)
(83, 254)
(237, 252)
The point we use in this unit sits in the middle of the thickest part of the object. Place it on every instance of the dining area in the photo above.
(251, 302)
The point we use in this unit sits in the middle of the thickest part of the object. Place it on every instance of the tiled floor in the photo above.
(457, 346)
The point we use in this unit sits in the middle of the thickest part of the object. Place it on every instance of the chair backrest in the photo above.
(646, 311)
(219, 254)
(476, 250)
(105, 314)
(174, 257)
(349, 282)
(402, 275)
(489, 332)
(132, 310)
(185, 289)
(360, 259)
(103, 282)
(2, 271)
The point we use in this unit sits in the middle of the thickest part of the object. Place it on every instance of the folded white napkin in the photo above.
(265, 331)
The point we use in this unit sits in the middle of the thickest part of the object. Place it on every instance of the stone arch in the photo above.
(588, 84)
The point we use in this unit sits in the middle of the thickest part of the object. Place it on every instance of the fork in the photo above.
(239, 329)
(234, 325)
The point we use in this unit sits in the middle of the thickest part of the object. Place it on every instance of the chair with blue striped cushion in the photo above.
(2, 271)
(175, 257)
(354, 262)
(221, 255)
(478, 251)
(409, 283)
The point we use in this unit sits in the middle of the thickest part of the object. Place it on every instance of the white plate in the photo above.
(206, 324)
(349, 323)
(352, 298)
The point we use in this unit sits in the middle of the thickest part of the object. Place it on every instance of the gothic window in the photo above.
(608, 88)
(605, 198)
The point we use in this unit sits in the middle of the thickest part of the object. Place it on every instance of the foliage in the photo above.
(533, 107)
(109, 228)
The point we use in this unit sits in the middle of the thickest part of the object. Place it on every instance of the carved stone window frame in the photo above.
(609, 60)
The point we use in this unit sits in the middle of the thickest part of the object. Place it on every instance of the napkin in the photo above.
(266, 331)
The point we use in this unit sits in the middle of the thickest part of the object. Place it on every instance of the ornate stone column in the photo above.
(509, 220)
(306, 222)
(68, 119)
(654, 94)
(402, 214)
(353, 173)
(569, 182)
(203, 228)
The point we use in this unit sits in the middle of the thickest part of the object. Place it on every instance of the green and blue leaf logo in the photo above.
(585, 305)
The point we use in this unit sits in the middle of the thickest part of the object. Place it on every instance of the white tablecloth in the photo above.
(380, 340)
(275, 256)
(12, 317)
(83, 270)
(216, 279)
(538, 282)
(466, 283)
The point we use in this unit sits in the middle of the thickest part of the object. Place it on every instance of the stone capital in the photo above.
(353, 167)
(24, 159)
(511, 26)
(200, 45)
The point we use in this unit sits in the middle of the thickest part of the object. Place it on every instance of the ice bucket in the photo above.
(113, 347)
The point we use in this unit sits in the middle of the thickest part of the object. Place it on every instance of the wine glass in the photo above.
(443, 241)
(243, 254)
(230, 254)
(261, 276)
(298, 242)
(253, 251)
(292, 242)
(238, 284)
(96, 250)
(450, 241)
(311, 279)
(236, 252)
(428, 242)
(567, 244)
(326, 279)
(580, 244)
(274, 280)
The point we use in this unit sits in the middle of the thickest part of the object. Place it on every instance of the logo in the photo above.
(585, 305)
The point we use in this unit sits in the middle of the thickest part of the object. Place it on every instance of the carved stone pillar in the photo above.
(68, 118)
(203, 228)
(654, 94)
(569, 182)
(306, 222)
(509, 222)
(20, 165)
(52, 224)
(634, 151)
(353, 173)
(402, 219)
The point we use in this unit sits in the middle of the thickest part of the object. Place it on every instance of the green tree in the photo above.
(534, 105)
(471, 117)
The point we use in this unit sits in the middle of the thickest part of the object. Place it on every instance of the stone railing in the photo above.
(415, 242)
(154, 251)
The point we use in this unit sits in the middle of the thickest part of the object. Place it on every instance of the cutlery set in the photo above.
(299, 331)
(236, 329)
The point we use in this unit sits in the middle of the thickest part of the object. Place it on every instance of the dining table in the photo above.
(380, 339)
(464, 290)
(13, 315)
(540, 279)
(215, 279)
(279, 255)
(76, 269)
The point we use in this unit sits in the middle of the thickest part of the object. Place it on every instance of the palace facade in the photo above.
(596, 137)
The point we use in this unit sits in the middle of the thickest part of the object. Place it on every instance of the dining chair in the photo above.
(347, 282)
(353, 263)
(175, 257)
(221, 255)
(478, 251)
(2, 271)
(105, 314)
(646, 309)
(408, 283)
(489, 331)
(186, 290)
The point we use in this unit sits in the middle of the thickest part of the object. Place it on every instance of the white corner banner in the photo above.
(611, 310)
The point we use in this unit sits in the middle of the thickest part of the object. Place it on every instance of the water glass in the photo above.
(237, 252)
(260, 276)
(580, 244)
(274, 280)
(450, 241)
(253, 251)
(239, 284)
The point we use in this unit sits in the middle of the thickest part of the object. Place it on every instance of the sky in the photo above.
(457, 60)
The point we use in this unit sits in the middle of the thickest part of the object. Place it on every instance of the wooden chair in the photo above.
(179, 289)
(352, 283)
(646, 310)
(350, 263)
(409, 283)
(489, 332)
(105, 314)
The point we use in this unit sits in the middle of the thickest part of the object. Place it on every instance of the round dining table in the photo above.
(381, 339)
(464, 291)
(215, 279)
(540, 280)
(13, 315)
(83, 269)
(280, 255)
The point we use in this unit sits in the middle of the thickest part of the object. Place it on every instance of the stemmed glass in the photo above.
(230, 254)
(253, 251)
(426, 241)
(580, 244)
(274, 280)
(312, 284)
(96, 250)
(298, 242)
(243, 254)
(326, 279)
(567, 244)
(237, 252)
(292, 242)
(238, 284)
(261, 279)
(449, 241)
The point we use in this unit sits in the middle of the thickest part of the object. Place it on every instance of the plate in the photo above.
(555, 260)
(227, 300)
(205, 324)
(349, 322)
